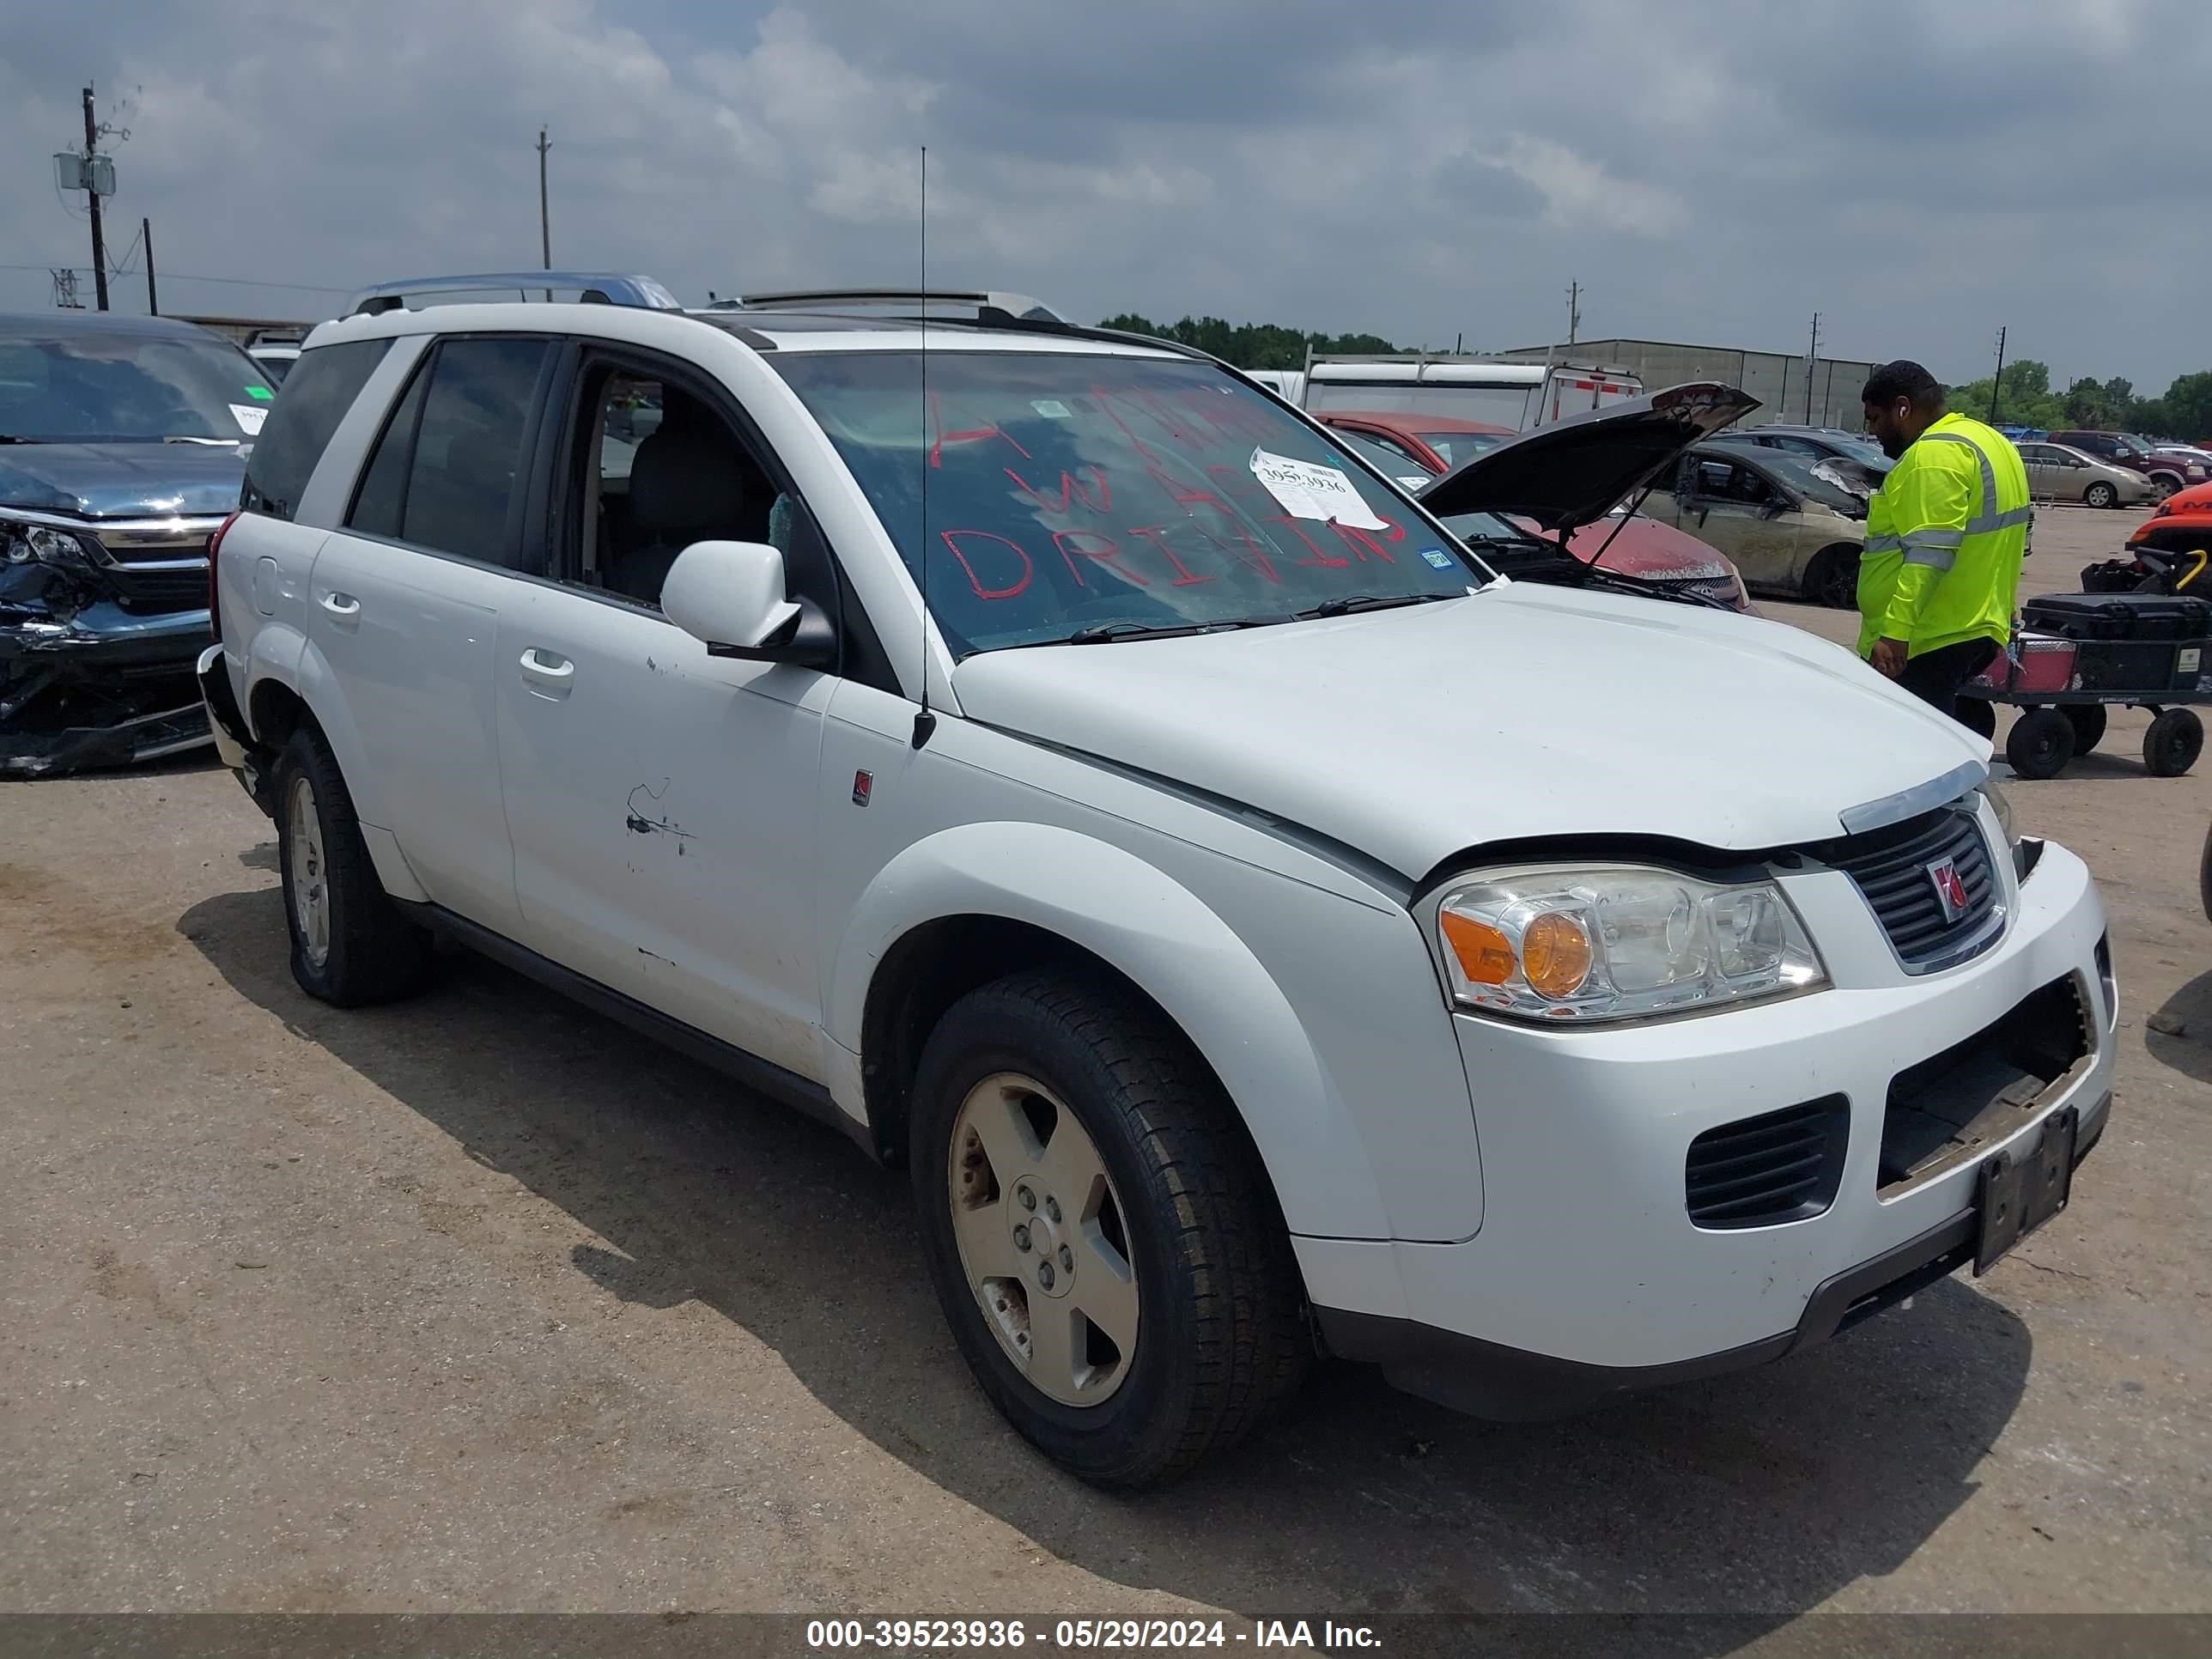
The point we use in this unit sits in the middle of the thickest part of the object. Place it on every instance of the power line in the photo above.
(187, 276)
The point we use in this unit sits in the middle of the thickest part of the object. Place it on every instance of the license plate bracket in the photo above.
(2022, 1189)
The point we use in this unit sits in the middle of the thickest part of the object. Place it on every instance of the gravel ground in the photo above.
(480, 1303)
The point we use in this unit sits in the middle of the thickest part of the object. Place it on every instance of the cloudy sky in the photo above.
(1709, 170)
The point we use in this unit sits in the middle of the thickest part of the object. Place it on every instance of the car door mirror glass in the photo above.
(729, 595)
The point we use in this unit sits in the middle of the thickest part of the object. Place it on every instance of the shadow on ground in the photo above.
(1761, 1494)
(2177, 1034)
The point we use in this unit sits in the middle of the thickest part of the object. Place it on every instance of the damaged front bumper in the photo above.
(101, 687)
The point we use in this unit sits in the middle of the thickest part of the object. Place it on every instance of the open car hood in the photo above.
(1570, 472)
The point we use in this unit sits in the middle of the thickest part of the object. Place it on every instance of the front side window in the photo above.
(97, 384)
(1088, 494)
(1452, 447)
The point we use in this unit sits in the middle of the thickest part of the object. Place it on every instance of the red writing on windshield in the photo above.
(1075, 544)
(1071, 490)
(952, 539)
(974, 434)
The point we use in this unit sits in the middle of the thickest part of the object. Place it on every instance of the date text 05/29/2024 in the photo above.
(1070, 1635)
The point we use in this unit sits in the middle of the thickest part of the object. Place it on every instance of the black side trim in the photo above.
(749, 1070)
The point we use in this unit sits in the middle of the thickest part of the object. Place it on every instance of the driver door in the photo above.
(662, 801)
(1734, 509)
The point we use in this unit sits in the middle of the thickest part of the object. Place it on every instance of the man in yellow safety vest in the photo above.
(1939, 572)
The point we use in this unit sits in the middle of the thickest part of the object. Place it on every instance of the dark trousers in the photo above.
(1935, 676)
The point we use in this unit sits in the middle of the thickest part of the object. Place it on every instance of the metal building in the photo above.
(1827, 395)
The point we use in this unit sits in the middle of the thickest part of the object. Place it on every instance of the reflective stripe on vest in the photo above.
(1990, 518)
(1881, 545)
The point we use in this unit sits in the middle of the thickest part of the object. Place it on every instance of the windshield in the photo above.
(1493, 405)
(1452, 447)
(1383, 458)
(1070, 492)
(88, 385)
(1842, 483)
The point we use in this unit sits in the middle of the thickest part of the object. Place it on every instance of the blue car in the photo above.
(120, 456)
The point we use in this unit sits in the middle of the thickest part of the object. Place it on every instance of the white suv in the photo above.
(1262, 929)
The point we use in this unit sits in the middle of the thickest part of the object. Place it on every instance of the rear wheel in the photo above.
(2100, 494)
(1102, 1235)
(2040, 743)
(2088, 720)
(1833, 578)
(350, 944)
(2172, 745)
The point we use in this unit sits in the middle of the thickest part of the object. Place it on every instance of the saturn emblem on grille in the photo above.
(1950, 890)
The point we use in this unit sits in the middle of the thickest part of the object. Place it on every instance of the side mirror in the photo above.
(730, 596)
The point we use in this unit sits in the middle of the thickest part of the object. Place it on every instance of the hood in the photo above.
(1571, 471)
(122, 481)
(1414, 734)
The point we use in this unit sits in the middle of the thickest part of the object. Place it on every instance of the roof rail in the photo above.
(596, 288)
(1018, 307)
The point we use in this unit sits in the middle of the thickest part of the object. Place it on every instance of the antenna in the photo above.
(924, 721)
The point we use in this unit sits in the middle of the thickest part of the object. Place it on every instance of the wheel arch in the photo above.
(968, 905)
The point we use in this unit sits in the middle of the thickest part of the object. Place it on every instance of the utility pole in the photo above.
(1997, 384)
(1812, 357)
(1574, 310)
(146, 235)
(99, 244)
(544, 225)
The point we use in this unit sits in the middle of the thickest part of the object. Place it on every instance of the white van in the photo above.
(1517, 396)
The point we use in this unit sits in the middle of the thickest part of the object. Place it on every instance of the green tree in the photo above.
(2186, 409)
(1249, 345)
(2025, 398)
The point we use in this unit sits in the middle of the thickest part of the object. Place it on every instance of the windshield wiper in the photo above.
(1107, 633)
(11, 438)
(180, 438)
(1345, 605)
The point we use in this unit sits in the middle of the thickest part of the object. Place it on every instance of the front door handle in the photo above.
(344, 606)
(548, 668)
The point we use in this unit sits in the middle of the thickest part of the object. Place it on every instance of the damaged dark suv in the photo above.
(119, 457)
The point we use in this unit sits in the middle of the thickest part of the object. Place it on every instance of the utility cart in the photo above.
(2077, 655)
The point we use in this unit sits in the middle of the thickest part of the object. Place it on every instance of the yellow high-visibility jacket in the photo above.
(1945, 537)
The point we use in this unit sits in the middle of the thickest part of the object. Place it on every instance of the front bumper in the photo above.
(105, 687)
(1588, 1275)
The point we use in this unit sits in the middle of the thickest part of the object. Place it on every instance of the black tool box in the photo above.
(2140, 643)
(2120, 615)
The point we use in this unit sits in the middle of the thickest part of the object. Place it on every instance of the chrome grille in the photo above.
(1892, 869)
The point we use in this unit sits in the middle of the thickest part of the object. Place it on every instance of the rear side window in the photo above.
(312, 400)
(448, 472)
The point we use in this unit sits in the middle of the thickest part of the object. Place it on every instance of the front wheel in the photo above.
(2040, 743)
(350, 944)
(1101, 1233)
(2100, 494)
(2172, 745)
(1833, 578)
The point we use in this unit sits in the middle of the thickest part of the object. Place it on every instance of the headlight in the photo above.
(2026, 851)
(1619, 943)
(21, 542)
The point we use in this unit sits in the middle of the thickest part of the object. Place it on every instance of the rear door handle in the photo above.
(548, 668)
(344, 606)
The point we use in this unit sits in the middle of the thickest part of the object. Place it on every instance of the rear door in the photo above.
(405, 605)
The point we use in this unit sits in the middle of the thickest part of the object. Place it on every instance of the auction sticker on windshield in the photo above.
(249, 417)
(1305, 490)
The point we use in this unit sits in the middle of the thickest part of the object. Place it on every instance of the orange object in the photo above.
(1555, 954)
(1486, 954)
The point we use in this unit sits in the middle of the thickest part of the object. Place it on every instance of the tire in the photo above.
(1833, 578)
(1217, 1314)
(2040, 743)
(2100, 494)
(350, 944)
(2088, 720)
(2204, 876)
(2173, 744)
(1978, 715)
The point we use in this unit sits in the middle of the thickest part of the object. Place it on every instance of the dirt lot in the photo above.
(482, 1302)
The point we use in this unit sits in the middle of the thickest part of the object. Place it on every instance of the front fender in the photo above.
(1167, 941)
